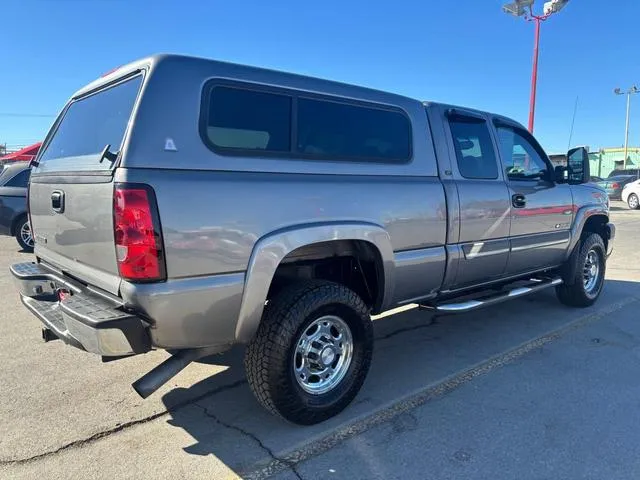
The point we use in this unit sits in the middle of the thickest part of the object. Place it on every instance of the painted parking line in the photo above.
(430, 392)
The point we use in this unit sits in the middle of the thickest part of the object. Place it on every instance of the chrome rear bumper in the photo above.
(80, 317)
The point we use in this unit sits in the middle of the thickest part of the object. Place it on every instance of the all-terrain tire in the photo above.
(270, 358)
(576, 291)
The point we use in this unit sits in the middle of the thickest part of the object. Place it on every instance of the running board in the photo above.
(475, 304)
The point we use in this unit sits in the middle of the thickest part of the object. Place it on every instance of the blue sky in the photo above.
(465, 52)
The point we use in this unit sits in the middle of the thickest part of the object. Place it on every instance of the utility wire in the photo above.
(27, 115)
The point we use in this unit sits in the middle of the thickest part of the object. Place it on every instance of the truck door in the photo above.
(541, 210)
(484, 199)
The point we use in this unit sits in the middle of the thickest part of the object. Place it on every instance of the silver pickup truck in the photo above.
(189, 205)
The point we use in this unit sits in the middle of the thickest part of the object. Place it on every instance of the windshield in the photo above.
(88, 126)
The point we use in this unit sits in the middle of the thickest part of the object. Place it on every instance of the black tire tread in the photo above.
(18, 228)
(271, 344)
(571, 292)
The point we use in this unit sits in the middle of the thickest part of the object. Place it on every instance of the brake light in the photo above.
(138, 240)
(615, 185)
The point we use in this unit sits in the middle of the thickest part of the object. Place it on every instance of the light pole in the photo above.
(628, 93)
(524, 8)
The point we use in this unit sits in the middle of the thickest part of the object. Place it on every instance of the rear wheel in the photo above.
(311, 353)
(23, 234)
(633, 201)
(587, 266)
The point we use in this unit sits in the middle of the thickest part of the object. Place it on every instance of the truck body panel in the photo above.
(458, 213)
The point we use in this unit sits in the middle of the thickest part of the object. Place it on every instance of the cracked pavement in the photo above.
(66, 415)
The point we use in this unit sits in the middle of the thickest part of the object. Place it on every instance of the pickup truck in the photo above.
(190, 205)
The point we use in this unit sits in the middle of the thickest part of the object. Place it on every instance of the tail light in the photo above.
(137, 233)
(615, 185)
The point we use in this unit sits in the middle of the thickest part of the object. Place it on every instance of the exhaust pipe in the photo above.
(153, 380)
(48, 335)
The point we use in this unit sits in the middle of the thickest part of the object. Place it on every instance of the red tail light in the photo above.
(615, 185)
(137, 234)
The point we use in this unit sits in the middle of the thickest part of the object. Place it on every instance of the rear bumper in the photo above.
(610, 230)
(84, 319)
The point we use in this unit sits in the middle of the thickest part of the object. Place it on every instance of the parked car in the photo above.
(614, 185)
(14, 221)
(631, 194)
(634, 172)
(318, 204)
(595, 179)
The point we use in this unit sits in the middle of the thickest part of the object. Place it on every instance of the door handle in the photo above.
(518, 200)
(57, 201)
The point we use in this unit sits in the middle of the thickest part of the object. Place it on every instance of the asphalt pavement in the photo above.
(525, 389)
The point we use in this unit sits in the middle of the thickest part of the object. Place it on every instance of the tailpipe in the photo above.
(153, 380)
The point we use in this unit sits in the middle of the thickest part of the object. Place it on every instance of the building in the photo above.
(606, 160)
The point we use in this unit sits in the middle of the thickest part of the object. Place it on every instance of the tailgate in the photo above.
(71, 190)
(79, 239)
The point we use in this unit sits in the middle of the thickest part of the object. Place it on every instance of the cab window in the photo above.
(521, 159)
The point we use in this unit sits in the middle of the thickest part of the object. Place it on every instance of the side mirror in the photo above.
(561, 174)
(578, 166)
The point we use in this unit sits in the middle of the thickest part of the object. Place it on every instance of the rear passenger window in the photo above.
(249, 120)
(341, 131)
(474, 149)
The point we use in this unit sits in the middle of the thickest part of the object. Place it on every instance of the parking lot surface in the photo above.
(526, 389)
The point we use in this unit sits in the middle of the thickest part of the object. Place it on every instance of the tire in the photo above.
(25, 240)
(578, 290)
(633, 201)
(291, 321)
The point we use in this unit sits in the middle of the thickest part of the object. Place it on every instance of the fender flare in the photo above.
(584, 214)
(271, 249)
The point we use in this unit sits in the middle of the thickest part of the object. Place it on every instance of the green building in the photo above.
(606, 160)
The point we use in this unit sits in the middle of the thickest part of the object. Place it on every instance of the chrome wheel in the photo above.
(323, 354)
(591, 272)
(25, 234)
(633, 201)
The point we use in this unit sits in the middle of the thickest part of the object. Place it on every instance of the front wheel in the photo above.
(311, 353)
(633, 201)
(24, 235)
(587, 264)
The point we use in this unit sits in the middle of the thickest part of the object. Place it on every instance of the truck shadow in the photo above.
(413, 350)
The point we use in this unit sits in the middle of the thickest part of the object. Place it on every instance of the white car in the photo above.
(631, 194)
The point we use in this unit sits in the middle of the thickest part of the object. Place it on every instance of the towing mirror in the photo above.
(578, 166)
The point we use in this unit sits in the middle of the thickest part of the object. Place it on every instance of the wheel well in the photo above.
(16, 221)
(356, 264)
(597, 224)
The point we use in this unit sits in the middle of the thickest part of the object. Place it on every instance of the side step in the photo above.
(474, 304)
